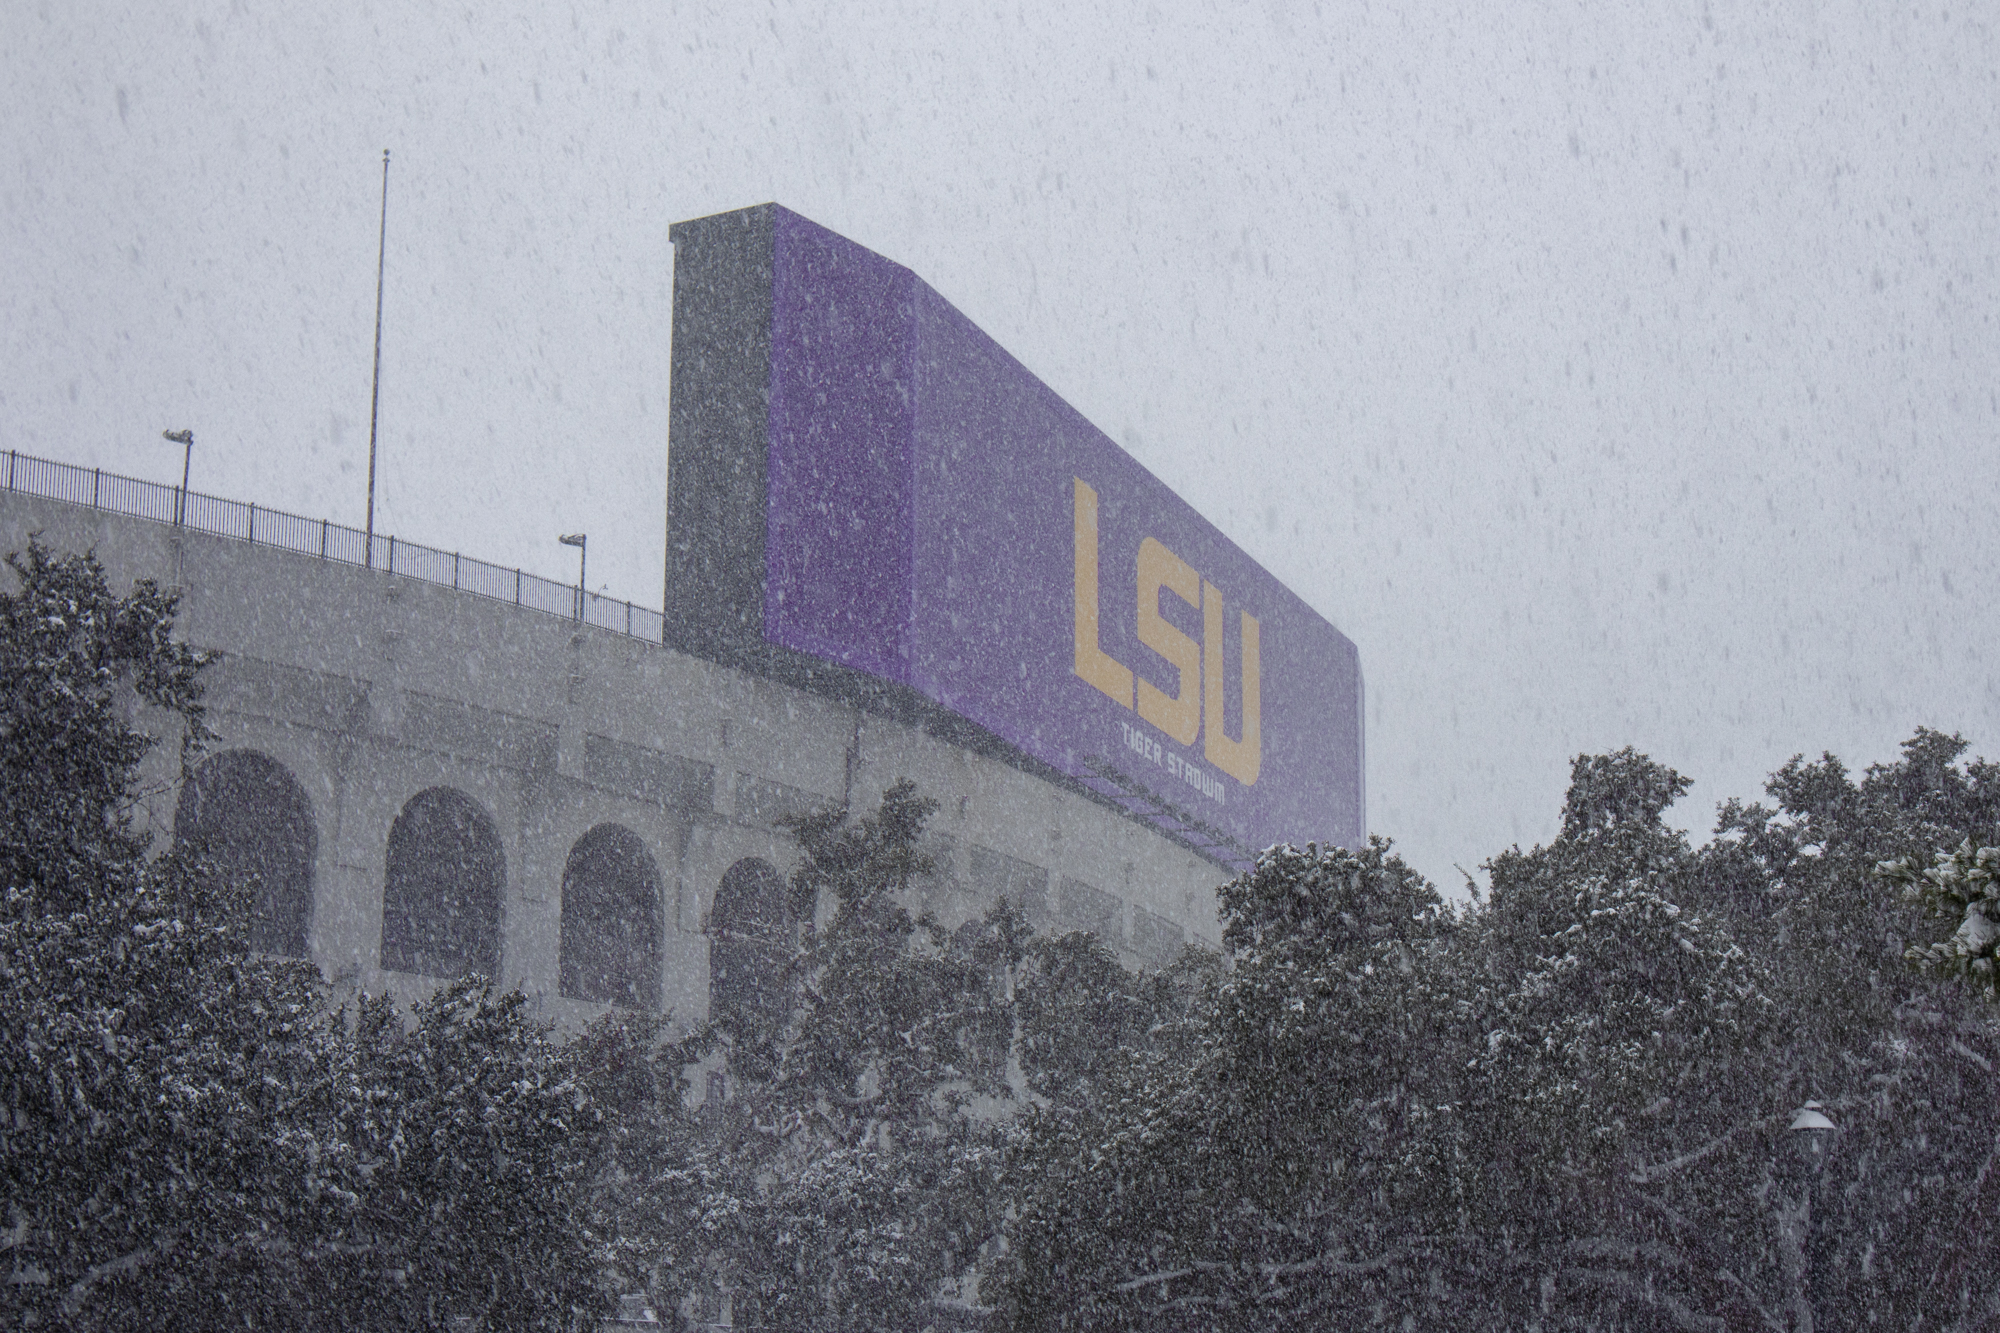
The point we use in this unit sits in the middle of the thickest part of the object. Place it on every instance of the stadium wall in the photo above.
(371, 688)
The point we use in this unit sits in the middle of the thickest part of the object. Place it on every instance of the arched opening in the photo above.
(441, 896)
(749, 939)
(611, 927)
(250, 823)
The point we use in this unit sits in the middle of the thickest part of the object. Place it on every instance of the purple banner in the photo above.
(938, 517)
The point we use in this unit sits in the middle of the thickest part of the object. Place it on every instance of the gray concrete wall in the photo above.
(370, 687)
(718, 416)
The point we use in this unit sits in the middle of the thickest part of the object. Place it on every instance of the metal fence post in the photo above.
(454, 571)
(392, 554)
(96, 482)
(322, 537)
(253, 522)
(517, 587)
(10, 469)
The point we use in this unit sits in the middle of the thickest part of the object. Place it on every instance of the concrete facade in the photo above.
(369, 688)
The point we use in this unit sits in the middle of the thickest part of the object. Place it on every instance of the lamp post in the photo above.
(185, 437)
(1809, 1143)
(581, 542)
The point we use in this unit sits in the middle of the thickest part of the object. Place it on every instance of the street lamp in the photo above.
(1810, 1144)
(579, 541)
(185, 437)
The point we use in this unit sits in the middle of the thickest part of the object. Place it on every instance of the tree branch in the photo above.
(1622, 1284)
(72, 1300)
(1643, 1175)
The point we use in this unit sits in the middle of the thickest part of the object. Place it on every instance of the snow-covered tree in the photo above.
(859, 1180)
(1904, 1063)
(1963, 884)
(1614, 1077)
(145, 1058)
(652, 1173)
(1534, 1114)
(1262, 1158)
(188, 1139)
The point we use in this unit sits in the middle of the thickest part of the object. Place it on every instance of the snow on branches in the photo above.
(1964, 882)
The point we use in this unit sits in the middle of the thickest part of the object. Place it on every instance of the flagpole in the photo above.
(375, 393)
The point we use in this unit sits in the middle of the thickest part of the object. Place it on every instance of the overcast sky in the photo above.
(1611, 374)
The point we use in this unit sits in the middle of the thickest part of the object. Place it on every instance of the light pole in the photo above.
(581, 542)
(1809, 1145)
(185, 437)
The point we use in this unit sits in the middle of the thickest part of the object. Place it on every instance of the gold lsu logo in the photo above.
(1196, 705)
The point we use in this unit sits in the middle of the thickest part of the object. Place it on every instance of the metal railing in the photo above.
(98, 489)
